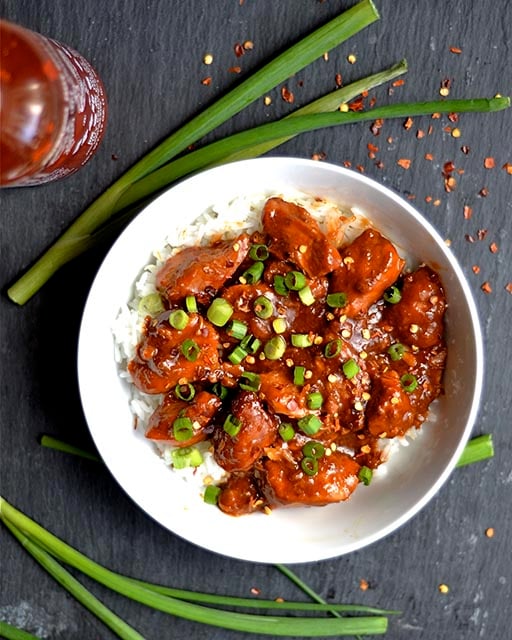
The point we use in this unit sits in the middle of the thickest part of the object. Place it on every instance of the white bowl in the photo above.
(289, 535)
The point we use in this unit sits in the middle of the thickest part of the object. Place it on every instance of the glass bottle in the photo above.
(53, 108)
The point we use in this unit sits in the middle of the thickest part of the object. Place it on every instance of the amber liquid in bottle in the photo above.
(53, 108)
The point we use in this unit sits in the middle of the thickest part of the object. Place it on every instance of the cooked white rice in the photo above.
(221, 220)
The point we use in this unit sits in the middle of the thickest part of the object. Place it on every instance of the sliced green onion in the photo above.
(185, 391)
(306, 296)
(151, 304)
(299, 375)
(333, 348)
(409, 382)
(301, 340)
(236, 329)
(392, 295)
(259, 252)
(280, 286)
(263, 307)
(191, 304)
(313, 449)
(275, 348)
(478, 448)
(365, 475)
(232, 425)
(350, 368)
(310, 424)
(220, 390)
(309, 466)
(253, 274)
(178, 319)
(279, 325)
(396, 351)
(295, 280)
(237, 355)
(314, 400)
(59, 445)
(250, 343)
(337, 300)
(286, 431)
(219, 312)
(186, 457)
(190, 349)
(182, 429)
(252, 381)
(211, 494)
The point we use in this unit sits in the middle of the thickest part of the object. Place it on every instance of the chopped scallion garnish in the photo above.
(249, 381)
(178, 319)
(236, 329)
(263, 307)
(182, 429)
(190, 349)
(396, 351)
(409, 382)
(151, 304)
(306, 296)
(295, 280)
(314, 400)
(286, 431)
(279, 325)
(301, 340)
(337, 300)
(392, 295)
(253, 274)
(309, 466)
(219, 312)
(191, 304)
(299, 375)
(275, 348)
(232, 425)
(310, 424)
(350, 368)
(313, 449)
(237, 355)
(185, 391)
(186, 457)
(211, 494)
(280, 285)
(259, 252)
(365, 475)
(333, 348)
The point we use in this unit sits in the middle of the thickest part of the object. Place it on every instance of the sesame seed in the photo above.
(456, 133)
(346, 333)
(394, 400)
(363, 355)
(250, 359)
(443, 588)
(267, 510)
(366, 448)
(414, 328)
(366, 396)
(332, 378)
(351, 58)
(267, 100)
(308, 374)
(207, 480)
(208, 58)
(343, 107)
(318, 340)
(366, 334)
(348, 260)
(489, 532)
(303, 248)
(289, 362)
(358, 406)
(236, 246)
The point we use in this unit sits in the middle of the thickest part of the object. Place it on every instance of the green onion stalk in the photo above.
(272, 625)
(269, 76)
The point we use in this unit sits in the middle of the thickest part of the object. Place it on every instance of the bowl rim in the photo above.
(474, 330)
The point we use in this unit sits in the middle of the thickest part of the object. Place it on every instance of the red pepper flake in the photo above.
(235, 69)
(364, 93)
(239, 50)
(476, 269)
(449, 184)
(448, 168)
(465, 149)
(482, 234)
(206, 81)
(436, 202)
(489, 532)
(363, 584)
(338, 79)
(469, 238)
(453, 117)
(468, 212)
(114, 156)
(429, 156)
(248, 45)
(508, 168)
(411, 196)
(372, 150)
(430, 129)
(408, 123)
(347, 164)
(508, 287)
(493, 247)
(373, 101)
(376, 126)
(399, 83)
(255, 591)
(436, 116)
(445, 87)
(360, 168)
(428, 199)
(489, 163)
(486, 287)
(447, 129)
(287, 95)
(356, 105)
(319, 156)
(379, 164)
(484, 192)
(405, 163)
(455, 50)
(420, 134)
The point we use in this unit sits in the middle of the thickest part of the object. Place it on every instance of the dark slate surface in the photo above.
(150, 54)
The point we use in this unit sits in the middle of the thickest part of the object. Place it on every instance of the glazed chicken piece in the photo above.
(296, 236)
(201, 271)
(418, 319)
(239, 495)
(258, 430)
(159, 363)
(201, 410)
(370, 265)
(283, 482)
(389, 412)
